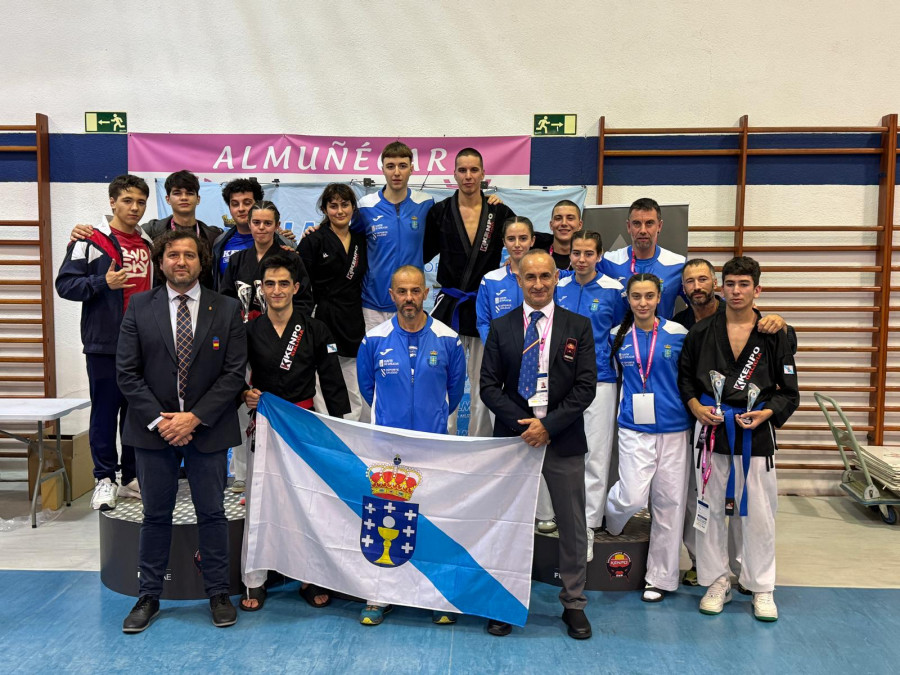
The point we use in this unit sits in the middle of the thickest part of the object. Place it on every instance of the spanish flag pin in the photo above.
(215, 343)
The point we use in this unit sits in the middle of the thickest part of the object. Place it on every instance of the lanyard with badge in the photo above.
(642, 404)
(541, 395)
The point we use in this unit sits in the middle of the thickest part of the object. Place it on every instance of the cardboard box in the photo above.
(53, 493)
(76, 452)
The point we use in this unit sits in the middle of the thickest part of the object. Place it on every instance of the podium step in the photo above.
(619, 563)
(120, 538)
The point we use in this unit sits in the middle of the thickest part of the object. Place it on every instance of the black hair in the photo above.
(170, 237)
(288, 261)
(567, 202)
(518, 219)
(469, 152)
(264, 205)
(125, 182)
(741, 266)
(645, 204)
(696, 262)
(628, 320)
(334, 191)
(184, 180)
(239, 185)
(591, 236)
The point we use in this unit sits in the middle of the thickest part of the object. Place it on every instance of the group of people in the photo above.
(185, 326)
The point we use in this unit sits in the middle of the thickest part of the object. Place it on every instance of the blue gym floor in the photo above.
(69, 622)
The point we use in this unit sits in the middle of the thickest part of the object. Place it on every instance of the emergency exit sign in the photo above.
(554, 125)
(105, 122)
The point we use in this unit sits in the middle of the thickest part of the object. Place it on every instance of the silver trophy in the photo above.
(718, 384)
(752, 395)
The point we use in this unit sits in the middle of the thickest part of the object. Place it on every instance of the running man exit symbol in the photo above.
(105, 122)
(554, 125)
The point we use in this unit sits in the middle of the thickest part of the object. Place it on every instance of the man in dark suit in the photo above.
(538, 377)
(180, 362)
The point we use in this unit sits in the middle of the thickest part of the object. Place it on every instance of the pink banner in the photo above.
(327, 155)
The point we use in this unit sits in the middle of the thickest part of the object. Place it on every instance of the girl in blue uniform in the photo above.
(592, 294)
(654, 457)
(499, 291)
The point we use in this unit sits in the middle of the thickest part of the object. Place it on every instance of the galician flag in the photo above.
(394, 516)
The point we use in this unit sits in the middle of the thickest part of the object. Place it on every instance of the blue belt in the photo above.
(746, 439)
(461, 297)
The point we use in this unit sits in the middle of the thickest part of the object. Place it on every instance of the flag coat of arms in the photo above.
(394, 516)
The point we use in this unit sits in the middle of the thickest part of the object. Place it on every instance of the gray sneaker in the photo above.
(132, 489)
(546, 526)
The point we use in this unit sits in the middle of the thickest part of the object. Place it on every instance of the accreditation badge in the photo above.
(701, 521)
(541, 392)
(642, 406)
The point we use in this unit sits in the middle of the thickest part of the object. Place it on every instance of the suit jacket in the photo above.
(573, 378)
(147, 369)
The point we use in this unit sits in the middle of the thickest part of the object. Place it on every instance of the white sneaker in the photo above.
(590, 542)
(131, 490)
(717, 596)
(104, 497)
(764, 607)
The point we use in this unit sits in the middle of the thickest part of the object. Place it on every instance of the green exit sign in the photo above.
(105, 122)
(554, 125)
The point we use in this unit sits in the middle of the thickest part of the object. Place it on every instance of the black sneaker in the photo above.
(223, 612)
(140, 616)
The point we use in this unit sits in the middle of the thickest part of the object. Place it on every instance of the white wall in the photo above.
(431, 68)
(424, 68)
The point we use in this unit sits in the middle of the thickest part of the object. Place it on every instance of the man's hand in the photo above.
(754, 418)
(535, 435)
(704, 414)
(251, 397)
(771, 323)
(81, 232)
(177, 428)
(287, 234)
(308, 231)
(116, 280)
(494, 199)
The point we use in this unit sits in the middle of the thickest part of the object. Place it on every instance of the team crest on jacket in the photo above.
(667, 352)
(414, 223)
(595, 304)
(389, 519)
(433, 358)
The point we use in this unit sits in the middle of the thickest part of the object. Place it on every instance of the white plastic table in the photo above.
(41, 410)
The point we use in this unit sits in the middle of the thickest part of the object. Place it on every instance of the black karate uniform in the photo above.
(337, 276)
(243, 280)
(766, 361)
(462, 265)
(286, 366)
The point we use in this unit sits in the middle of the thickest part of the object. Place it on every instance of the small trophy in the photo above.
(752, 395)
(718, 384)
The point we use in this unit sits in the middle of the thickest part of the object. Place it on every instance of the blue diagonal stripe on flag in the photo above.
(441, 559)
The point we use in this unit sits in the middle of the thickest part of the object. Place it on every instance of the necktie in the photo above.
(184, 340)
(530, 354)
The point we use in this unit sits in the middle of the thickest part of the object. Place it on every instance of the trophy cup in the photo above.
(718, 384)
(752, 395)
